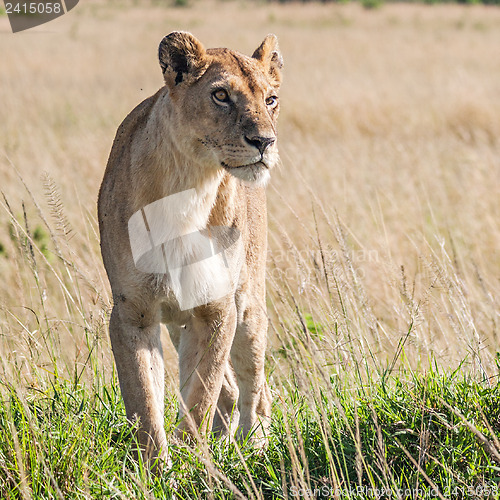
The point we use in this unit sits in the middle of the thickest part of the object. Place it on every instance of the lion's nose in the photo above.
(260, 142)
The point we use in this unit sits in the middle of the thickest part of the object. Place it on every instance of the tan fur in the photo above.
(184, 138)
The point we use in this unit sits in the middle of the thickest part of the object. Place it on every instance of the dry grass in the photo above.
(383, 219)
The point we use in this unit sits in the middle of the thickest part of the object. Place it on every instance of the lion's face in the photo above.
(226, 104)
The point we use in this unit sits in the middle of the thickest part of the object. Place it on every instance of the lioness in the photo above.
(182, 219)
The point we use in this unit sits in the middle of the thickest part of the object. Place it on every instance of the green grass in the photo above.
(401, 433)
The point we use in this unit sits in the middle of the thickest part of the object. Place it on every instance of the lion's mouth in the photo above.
(253, 173)
(257, 164)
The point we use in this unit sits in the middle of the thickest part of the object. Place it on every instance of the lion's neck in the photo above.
(189, 189)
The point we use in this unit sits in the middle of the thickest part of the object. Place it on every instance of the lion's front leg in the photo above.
(139, 360)
(203, 355)
(227, 415)
(248, 357)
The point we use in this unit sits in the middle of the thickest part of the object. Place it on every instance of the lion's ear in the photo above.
(182, 58)
(268, 53)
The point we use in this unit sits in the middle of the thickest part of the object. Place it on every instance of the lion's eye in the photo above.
(272, 101)
(221, 96)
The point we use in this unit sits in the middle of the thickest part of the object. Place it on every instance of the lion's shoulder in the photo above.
(134, 121)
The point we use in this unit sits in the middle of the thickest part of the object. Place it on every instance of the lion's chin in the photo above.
(256, 174)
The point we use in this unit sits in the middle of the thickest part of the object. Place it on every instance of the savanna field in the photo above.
(383, 264)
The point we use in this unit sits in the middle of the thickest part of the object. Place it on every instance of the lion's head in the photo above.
(225, 104)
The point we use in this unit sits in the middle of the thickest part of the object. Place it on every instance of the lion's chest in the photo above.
(170, 238)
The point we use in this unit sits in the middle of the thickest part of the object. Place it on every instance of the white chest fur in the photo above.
(170, 237)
